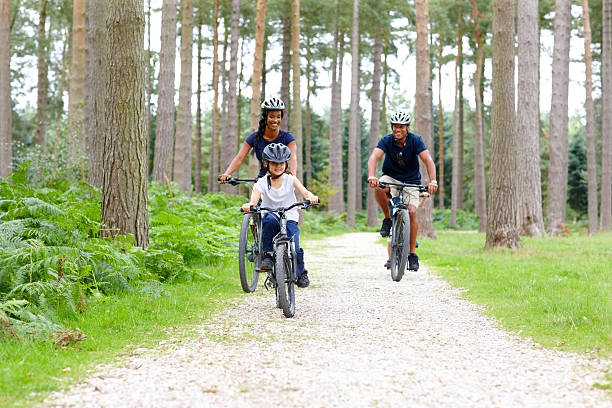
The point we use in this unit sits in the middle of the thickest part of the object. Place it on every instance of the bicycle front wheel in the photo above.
(248, 252)
(285, 287)
(400, 240)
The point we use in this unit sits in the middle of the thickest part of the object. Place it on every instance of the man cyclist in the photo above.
(401, 149)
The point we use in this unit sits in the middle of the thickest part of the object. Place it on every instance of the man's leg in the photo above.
(382, 197)
(413, 259)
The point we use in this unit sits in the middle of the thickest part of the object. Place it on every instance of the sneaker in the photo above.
(303, 281)
(413, 262)
(385, 230)
(388, 264)
(266, 263)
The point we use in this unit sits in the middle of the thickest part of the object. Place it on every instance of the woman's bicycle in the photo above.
(250, 248)
(283, 277)
(400, 227)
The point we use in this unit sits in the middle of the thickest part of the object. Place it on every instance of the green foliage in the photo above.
(465, 220)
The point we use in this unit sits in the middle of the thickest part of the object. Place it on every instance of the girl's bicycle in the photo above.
(400, 227)
(283, 277)
(250, 248)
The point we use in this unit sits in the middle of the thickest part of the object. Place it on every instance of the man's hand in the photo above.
(224, 177)
(432, 187)
(373, 181)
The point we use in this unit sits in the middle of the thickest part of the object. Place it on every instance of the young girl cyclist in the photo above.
(277, 189)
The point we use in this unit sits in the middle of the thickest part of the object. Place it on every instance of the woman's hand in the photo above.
(224, 177)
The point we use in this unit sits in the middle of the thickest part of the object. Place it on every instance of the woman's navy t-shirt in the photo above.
(283, 137)
(402, 163)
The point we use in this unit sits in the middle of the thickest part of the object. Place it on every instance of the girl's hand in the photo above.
(313, 199)
(247, 207)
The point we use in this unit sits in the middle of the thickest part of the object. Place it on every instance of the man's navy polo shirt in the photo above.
(402, 163)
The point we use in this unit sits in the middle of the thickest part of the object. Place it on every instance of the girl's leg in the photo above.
(294, 231)
(270, 227)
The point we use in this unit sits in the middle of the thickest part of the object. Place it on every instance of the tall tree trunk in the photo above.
(336, 180)
(96, 124)
(260, 31)
(213, 169)
(441, 189)
(307, 121)
(76, 109)
(297, 73)
(590, 122)
(149, 82)
(184, 126)
(61, 87)
(423, 116)
(501, 220)
(197, 179)
(383, 113)
(606, 120)
(353, 152)
(164, 132)
(124, 191)
(457, 170)
(6, 155)
(40, 138)
(231, 133)
(375, 123)
(530, 220)
(286, 67)
(557, 171)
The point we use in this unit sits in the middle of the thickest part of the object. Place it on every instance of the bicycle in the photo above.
(250, 249)
(400, 227)
(283, 277)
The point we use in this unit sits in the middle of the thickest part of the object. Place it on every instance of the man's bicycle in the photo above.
(250, 248)
(400, 227)
(283, 277)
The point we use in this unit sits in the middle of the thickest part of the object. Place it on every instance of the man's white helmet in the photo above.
(273, 104)
(401, 118)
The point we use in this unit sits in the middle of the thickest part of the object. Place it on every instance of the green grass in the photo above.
(114, 327)
(557, 291)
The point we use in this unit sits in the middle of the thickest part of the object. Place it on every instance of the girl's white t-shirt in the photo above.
(284, 196)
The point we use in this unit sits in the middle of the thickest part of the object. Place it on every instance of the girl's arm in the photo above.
(236, 162)
(304, 192)
(255, 196)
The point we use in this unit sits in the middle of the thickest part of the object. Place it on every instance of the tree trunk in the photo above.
(124, 192)
(61, 86)
(76, 110)
(423, 116)
(375, 123)
(184, 125)
(557, 171)
(164, 132)
(441, 188)
(260, 31)
(297, 73)
(383, 114)
(336, 180)
(307, 121)
(213, 169)
(353, 153)
(286, 67)
(229, 138)
(96, 124)
(40, 137)
(606, 120)
(590, 122)
(457, 170)
(197, 179)
(6, 154)
(501, 225)
(149, 84)
(480, 193)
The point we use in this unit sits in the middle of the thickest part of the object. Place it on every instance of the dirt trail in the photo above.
(358, 339)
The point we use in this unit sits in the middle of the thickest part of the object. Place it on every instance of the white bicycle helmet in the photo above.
(273, 104)
(401, 118)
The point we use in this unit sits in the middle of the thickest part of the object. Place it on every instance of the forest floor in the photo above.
(357, 339)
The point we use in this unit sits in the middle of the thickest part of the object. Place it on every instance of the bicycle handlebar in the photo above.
(234, 181)
(422, 188)
(303, 204)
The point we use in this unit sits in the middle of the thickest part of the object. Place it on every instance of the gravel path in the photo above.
(358, 339)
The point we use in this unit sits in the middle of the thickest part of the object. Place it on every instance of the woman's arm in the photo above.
(293, 161)
(235, 163)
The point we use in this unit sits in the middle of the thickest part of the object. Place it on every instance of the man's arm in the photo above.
(431, 171)
(376, 155)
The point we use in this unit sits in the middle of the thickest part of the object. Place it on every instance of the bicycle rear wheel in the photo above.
(400, 240)
(285, 287)
(248, 252)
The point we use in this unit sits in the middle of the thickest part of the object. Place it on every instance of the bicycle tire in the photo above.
(400, 239)
(248, 252)
(285, 288)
